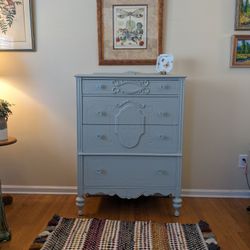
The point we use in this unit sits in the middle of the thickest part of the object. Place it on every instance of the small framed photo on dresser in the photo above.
(240, 55)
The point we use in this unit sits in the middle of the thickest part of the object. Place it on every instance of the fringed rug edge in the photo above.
(203, 227)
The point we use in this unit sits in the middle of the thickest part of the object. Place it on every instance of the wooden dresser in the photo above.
(129, 136)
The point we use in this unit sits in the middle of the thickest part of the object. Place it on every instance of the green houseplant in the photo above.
(5, 112)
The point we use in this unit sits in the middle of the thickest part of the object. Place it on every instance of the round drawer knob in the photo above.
(101, 86)
(163, 137)
(162, 172)
(102, 113)
(164, 86)
(101, 137)
(100, 171)
(163, 114)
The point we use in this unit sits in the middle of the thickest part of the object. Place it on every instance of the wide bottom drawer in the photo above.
(134, 171)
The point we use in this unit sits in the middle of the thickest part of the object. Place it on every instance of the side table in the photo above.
(4, 229)
(10, 140)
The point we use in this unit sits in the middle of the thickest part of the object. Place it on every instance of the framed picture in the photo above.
(16, 25)
(242, 15)
(240, 51)
(129, 32)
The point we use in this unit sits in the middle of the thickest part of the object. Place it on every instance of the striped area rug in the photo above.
(94, 234)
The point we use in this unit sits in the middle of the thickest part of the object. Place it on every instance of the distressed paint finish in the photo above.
(129, 136)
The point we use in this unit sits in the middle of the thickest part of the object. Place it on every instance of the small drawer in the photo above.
(133, 110)
(120, 171)
(165, 87)
(97, 86)
(130, 139)
(130, 86)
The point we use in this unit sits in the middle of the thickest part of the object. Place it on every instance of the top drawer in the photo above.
(130, 86)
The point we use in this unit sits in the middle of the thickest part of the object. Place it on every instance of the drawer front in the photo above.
(130, 86)
(97, 86)
(118, 110)
(120, 171)
(130, 139)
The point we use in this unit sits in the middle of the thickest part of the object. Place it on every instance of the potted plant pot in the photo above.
(4, 115)
(3, 129)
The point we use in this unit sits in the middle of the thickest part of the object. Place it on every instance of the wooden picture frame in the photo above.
(242, 15)
(240, 56)
(129, 32)
(16, 25)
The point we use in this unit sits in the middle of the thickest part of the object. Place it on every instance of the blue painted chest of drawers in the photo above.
(129, 136)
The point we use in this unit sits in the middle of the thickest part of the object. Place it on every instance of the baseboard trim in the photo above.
(39, 189)
(213, 193)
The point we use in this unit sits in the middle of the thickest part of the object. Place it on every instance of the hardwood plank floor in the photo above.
(228, 218)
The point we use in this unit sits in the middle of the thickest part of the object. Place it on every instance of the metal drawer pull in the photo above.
(163, 137)
(162, 172)
(163, 114)
(101, 171)
(102, 113)
(101, 86)
(101, 137)
(165, 86)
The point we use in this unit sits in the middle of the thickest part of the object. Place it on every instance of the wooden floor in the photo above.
(228, 218)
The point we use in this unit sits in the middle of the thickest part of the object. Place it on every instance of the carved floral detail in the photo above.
(138, 87)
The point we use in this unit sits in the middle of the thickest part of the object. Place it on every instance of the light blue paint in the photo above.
(129, 136)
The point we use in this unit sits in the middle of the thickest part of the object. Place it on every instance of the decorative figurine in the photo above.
(164, 64)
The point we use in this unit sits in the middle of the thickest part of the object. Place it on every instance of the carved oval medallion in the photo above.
(129, 124)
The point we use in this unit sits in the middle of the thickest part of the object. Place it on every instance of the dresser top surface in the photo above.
(128, 75)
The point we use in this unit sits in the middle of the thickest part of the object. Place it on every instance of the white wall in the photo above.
(41, 84)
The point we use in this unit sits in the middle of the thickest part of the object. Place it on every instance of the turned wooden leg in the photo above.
(5, 234)
(177, 202)
(80, 204)
(7, 200)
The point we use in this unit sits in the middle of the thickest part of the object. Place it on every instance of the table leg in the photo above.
(4, 229)
(7, 200)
